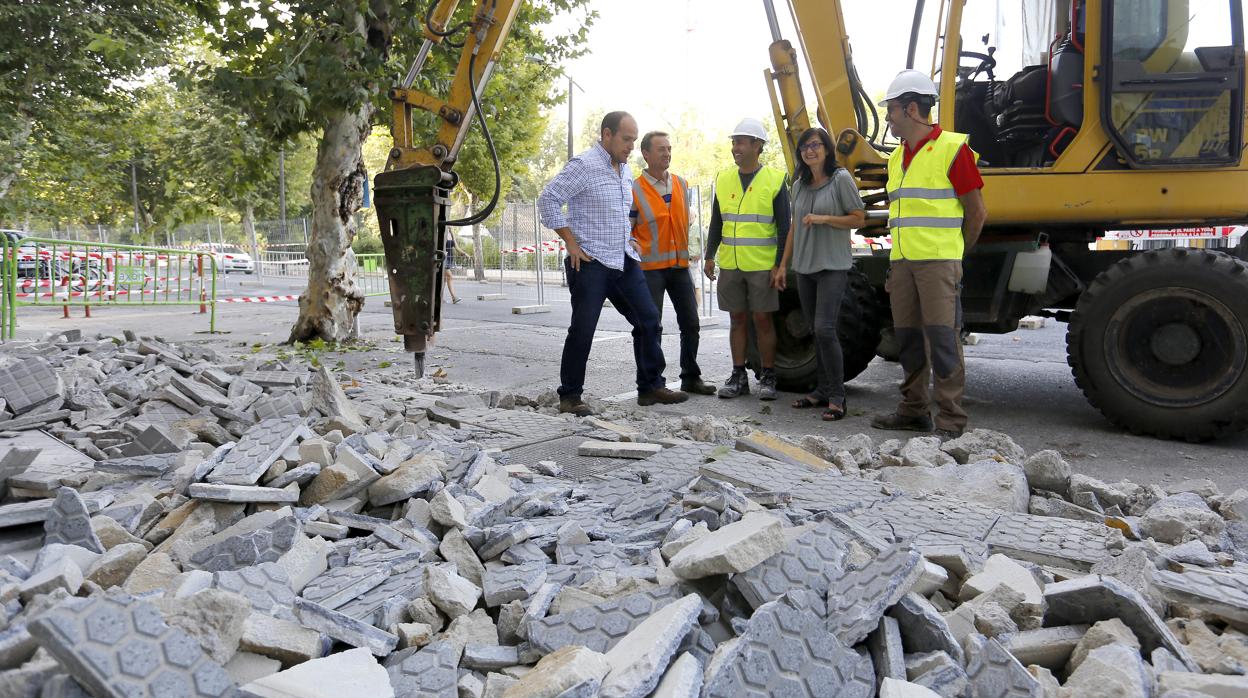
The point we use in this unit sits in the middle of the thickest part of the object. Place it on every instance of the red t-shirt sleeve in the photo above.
(964, 173)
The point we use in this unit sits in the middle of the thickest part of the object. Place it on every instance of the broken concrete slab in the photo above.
(786, 650)
(430, 671)
(809, 562)
(683, 679)
(214, 618)
(923, 628)
(998, 570)
(513, 582)
(1111, 670)
(283, 640)
(857, 599)
(1103, 632)
(115, 565)
(1087, 600)
(69, 522)
(1046, 647)
(887, 651)
(116, 645)
(733, 548)
(601, 625)
(354, 672)
(451, 593)
(242, 493)
(995, 672)
(1222, 592)
(258, 448)
(266, 586)
(262, 537)
(29, 383)
(639, 659)
(569, 671)
(344, 628)
(1175, 683)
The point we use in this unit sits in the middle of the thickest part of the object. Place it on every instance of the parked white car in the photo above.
(230, 258)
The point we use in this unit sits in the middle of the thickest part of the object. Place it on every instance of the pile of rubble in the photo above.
(180, 523)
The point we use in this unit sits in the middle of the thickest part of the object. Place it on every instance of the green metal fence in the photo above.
(371, 275)
(49, 272)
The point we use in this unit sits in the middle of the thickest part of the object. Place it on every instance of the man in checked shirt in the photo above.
(597, 188)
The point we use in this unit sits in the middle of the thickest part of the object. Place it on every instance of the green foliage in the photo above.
(367, 244)
(56, 57)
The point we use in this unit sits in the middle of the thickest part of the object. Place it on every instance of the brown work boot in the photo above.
(575, 406)
(901, 422)
(661, 396)
(697, 386)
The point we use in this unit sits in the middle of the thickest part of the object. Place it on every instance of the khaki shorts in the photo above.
(747, 291)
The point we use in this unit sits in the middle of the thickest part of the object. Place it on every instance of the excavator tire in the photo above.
(858, 329)
(1159, 344)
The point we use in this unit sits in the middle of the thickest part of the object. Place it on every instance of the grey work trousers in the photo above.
(821, 294)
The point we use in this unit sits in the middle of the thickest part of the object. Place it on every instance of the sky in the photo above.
(656, 58)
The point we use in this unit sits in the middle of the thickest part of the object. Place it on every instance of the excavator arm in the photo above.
(843, 109)
(413, 194)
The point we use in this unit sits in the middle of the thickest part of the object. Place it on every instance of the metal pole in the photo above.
(281, 187)
(255, 254)
(134, 191)
(305, 234)
(537, 256)
(706, 296)
(772, 20)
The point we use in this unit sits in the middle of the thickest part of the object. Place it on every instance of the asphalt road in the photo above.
(1017, 383)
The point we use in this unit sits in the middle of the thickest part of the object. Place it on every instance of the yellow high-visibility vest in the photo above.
(924, 213)
(749, 233)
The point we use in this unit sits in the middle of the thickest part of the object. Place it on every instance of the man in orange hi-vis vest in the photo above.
(660, 218)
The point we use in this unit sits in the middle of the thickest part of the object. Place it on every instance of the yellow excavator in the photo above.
(1114, 115)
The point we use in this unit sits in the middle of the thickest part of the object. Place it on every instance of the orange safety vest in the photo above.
(662, 230)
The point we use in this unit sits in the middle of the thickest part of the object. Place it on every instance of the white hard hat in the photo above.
(752, 128)
(910, 81)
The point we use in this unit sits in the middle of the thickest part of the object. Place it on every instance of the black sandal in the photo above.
(806, 402)
(835, 413)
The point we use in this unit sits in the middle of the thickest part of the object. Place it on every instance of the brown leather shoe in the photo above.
(575, 406)
(661, 396)
(902, 422)
(697, 387)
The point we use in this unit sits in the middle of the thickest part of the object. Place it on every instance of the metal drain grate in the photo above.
(563, 452)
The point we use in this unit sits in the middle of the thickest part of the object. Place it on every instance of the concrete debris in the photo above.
(206, 522)
(350, 673)
(1110, 670)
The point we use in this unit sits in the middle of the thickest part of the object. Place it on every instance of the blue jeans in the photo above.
(679, 285)
(627, 291)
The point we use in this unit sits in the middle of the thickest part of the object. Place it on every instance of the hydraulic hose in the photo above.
(484, 213)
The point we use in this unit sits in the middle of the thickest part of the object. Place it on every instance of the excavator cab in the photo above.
(1089, 117)
(1170, 88)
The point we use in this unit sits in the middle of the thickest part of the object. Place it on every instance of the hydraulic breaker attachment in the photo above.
(411, 210)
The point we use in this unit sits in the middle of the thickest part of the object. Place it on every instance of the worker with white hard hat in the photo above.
(749, 224)
(935, 213)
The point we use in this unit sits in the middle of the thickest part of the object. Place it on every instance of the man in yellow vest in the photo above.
(660, 218)
(935, 212)
(749, 224)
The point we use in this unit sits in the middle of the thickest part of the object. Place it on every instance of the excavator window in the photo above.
(1173, 83)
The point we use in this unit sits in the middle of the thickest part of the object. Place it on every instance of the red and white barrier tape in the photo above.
(258, 299)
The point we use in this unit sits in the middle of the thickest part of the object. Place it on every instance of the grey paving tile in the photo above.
(788, 651)
(69, 522)
(257, 449)
(1052, 540)
(120, 647)
(857, 599)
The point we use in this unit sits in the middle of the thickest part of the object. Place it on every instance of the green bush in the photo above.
(367, 244)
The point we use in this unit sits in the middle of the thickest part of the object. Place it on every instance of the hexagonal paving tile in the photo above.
(118, 646)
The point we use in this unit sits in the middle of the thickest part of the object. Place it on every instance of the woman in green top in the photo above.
(826, 205)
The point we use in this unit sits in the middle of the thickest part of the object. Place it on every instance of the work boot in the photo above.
(661, 396)
(575, 406)
(901, 422)
(767, 384)
(948, 434)
(738, 384)
(696, 386)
